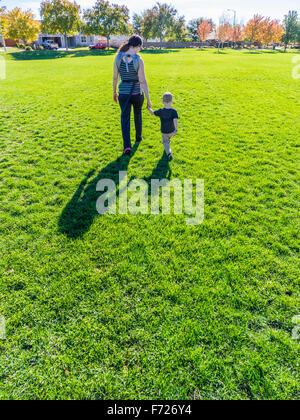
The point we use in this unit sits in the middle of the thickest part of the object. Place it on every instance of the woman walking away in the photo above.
(129, 66)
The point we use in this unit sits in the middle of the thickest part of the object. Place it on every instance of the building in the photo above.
(73, 41)
(81, 40)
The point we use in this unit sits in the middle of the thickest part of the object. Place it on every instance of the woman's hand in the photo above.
(149, 104)
(116, 97)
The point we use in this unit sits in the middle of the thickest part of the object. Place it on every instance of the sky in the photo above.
(191, 8)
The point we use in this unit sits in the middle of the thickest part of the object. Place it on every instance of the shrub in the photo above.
(20, 45)
(28, 48)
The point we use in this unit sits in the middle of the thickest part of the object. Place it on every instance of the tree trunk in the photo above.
(3, 42)
(108, 41)
(66, 41)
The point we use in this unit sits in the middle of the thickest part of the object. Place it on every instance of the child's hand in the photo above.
(116, 97)
(174, 133)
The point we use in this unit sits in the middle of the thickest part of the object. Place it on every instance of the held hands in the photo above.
(116, 97)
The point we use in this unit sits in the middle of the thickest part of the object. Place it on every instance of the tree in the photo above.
(3, 26)
(193, 25)
(138, 23)
(204, 30)
(254, 30)
(164, 17)
(106, 19)
(60, 16)
(290, 28)
(224, 34)
(22, 25)
(238, 33)
(178, 31)
(272, 31)
(298, 32)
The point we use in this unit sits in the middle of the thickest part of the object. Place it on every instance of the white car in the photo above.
(49, 44)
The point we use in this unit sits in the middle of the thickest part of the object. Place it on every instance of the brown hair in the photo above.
(134, 41)
(168, 97)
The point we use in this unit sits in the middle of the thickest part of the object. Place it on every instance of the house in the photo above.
(10, 43)
(78, 40)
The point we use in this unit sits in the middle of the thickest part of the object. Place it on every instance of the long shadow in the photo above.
(161, 171)
(52, 55)
(158, 51)
(78, 215)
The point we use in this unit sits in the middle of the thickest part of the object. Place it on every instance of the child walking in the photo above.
(169, 122)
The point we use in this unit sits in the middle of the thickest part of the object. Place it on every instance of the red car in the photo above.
(99, 46)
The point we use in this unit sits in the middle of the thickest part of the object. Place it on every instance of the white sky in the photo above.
(191, 8)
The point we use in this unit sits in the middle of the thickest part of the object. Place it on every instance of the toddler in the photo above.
(169, 122)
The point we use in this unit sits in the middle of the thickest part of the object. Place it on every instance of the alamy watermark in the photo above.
(296, 329)
(296, 68)
(134, 197)
(2, 328)
(2, 68)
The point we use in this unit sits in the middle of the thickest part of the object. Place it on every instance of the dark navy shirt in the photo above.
(167, 116)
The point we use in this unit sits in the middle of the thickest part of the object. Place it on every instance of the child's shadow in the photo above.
(162, 171)
(78, 215)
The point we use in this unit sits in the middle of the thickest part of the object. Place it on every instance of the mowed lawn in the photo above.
(140, 307)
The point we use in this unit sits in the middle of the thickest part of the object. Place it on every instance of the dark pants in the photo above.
(125, 104)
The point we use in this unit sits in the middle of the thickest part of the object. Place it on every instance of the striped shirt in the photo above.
(128, 78)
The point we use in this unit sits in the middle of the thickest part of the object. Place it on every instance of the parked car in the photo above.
(49, 44)
(98, 46)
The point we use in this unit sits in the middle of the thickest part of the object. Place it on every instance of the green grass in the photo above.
(142, 306)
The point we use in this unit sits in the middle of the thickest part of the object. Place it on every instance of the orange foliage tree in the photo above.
(254, 30)
(224, 33)
(273, 31)
(204, 29)
(238, 33)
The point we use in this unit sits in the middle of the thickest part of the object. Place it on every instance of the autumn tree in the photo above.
(290, 28)
(60, 16)
(106, 19)
(3, 26)
(254, 30)
(22, 25)
(204, 30)
(3, 20)
(273, 31)
(192, 27)
(238, 33)
(224, 33)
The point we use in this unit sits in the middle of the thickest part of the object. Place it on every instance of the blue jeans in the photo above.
(125, 103)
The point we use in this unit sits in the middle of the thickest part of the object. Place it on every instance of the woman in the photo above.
(130, 68)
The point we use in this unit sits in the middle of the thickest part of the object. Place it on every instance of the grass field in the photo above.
(134, 307)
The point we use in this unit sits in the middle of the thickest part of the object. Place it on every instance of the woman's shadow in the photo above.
(78, 215)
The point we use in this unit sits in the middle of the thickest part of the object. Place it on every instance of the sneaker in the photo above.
(127, 151)
(170, 156)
